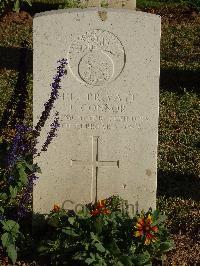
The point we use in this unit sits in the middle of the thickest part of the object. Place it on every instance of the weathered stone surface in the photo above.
(128, 4)
(108, 106)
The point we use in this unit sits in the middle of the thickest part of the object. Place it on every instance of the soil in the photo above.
(19, 18)
(176, 15)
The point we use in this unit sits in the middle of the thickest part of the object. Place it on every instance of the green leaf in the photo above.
(23, 176)
(69, 231)
(113, 248)
(126, 261)
(7, 239)
(16, 7)
(11, 226)
(79, 255)
(12, 253)
(155, 214)
(99, 247)
(13, 191)
(29, 2)
(161, 219)
(71, 220)
(42, 249)
(94, 237)
(3, 196)
(119, 263)
(89, 261)
(29, 166)
(143, 258)
(132, 248)
(166, 246)
(98, 225)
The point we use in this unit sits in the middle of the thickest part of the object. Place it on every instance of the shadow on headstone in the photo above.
(171, 184)
(16, 58)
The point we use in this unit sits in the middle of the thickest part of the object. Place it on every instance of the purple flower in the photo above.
(22, 146)
(52, 132)
(19, 147)
(26, 197)
(55, 86)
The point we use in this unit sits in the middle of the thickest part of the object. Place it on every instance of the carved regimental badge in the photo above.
(97, 57)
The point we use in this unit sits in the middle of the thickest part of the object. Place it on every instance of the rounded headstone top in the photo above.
(96, 57)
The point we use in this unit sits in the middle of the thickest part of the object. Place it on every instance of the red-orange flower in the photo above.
(56, 208)
(145, 229)
(100, 207)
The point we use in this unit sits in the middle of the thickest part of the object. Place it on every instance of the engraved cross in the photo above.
(95, 164)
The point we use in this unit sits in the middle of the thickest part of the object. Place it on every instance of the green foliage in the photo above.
(9, 236)
(60, 3)
(103, 238)
(12, 183)
(70, 4)
(104, 3)
(14, 4)
(17, 4)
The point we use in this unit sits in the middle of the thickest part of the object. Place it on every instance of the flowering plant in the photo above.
(102, 234)
(17, 171)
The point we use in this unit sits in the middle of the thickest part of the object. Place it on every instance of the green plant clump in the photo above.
(14, 4)
(105, 234)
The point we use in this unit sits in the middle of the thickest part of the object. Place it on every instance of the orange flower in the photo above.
(145, 229)
(95, 212)
(100, 208)
(101, 204)
(56, 208)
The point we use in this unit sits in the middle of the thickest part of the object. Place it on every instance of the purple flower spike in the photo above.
(55, 86)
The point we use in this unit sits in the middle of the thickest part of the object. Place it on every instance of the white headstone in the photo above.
(108, 106)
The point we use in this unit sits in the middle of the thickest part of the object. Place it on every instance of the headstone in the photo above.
(127, 4)
(108, 106)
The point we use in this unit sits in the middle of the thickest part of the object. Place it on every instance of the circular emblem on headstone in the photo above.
(97, 57)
